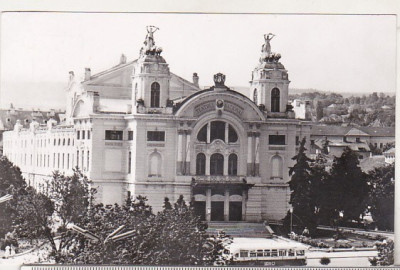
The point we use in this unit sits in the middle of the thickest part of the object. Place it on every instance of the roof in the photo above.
(264, 243)
(390, 151)
(9, 117)
(321, 130)
(370, 163)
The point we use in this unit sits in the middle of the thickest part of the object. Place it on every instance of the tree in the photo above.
(174, 236)
(318, 177)
(301, 190)
(346, 189)
(66, 199)
(381, 196)
(11, 182)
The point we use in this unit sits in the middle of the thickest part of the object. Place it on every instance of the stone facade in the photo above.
(139, 129)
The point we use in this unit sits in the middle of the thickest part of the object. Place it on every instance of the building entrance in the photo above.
(217, 202)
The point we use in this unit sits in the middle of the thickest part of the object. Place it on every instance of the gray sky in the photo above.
(343, 53)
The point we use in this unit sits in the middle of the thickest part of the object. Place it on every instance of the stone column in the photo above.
(179, 158)
(187, 153)
(208, 132)
(257, 155)
(244, 194)
(208, 204)
(207, 164)
(226, 160)
(226, 205)
(249, 153)
(226, 132)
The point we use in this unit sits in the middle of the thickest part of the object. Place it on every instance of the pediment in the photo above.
(115, 77)
(356, 132)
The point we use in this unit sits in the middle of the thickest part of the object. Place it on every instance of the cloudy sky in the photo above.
(343, 53)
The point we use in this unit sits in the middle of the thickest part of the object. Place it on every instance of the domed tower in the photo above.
(150, 78)
(269, 83)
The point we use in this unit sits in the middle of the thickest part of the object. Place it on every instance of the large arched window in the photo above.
(275, 100)
(201, 164)
(155, 165)
(232, 164)
(155, 95)
(276, 166)
(255, 96)
(218, 130)
(217, 164)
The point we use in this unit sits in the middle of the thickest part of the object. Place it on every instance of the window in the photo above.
(300, 252)
(83, 134)
(82, 159)
(312, 142)
(291, 252)
(274, 253)
(381, 145)
(276, 166)
(129, 162)
(253, 253)
(156, 136)
(277, 139)
(358, 139)
(78, 135)
(114, 135)
(244, 253)
(217, 130)
(67, 161)
(130, 135)
(63, 141)
(88, 134)
(282, 252)
(155, 165)
(260, 253)
(217, 164)
(155, 95)
(232, 164)
(267, 253)
(201, 164)
(275, 100)
(255, 96)
(77, 158)
(202, 135)
(232, 136)
(69, 141)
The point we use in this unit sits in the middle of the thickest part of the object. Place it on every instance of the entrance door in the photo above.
(217, 211)
(235, 211)
(200, 210)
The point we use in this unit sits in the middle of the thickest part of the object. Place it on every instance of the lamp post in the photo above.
(291, 219)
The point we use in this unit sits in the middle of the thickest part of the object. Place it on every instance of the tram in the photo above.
(267, 252)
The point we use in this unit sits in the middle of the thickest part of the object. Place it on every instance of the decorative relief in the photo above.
(218, 178)
(113, 143)
(217, 146)
(155, 144)
(203, 108)
(277, 148)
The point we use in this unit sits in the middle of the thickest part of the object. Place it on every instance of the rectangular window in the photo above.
(274, 253)
(297, 140)
(277, 139)
(259, 253)
(156, 136)
(282, 252)
(253, 253)
(77, 158)
(83, 134)
(381, 145)
(358, 139)
(114, 135)
(267, 253)
(67, 161)
(78, 133)
(130, 135)
(244, 253)
(82, 159)
(129, 162)
(88, 135)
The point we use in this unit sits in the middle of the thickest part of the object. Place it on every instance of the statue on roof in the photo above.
(149, 41)
(266, 47)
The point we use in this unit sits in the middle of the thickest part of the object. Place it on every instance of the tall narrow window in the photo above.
(88, 135)
(129, 162)
(276, 164)
(87, 160)
(58, 161)
(275, 100)
(217, 130)
(155, 95)
(63, 156)
(78, 135)
(155, 165)
(77, 158)
(255, 96)
(83, 134)
(217, 164)
(201, 164)
(82, 159)
(232, 164)
(67, 161)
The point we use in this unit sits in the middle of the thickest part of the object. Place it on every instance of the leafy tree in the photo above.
(318, 177)
(346, 189)
(174, 236)
(66, 199)
(381, 196)
(11, 182)
(301, 190)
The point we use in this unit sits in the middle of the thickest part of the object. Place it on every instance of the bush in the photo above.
(325, 261)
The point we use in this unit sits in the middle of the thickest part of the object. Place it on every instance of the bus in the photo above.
(274, 251)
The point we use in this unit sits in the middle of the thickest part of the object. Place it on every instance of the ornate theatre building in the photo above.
(139, 129)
